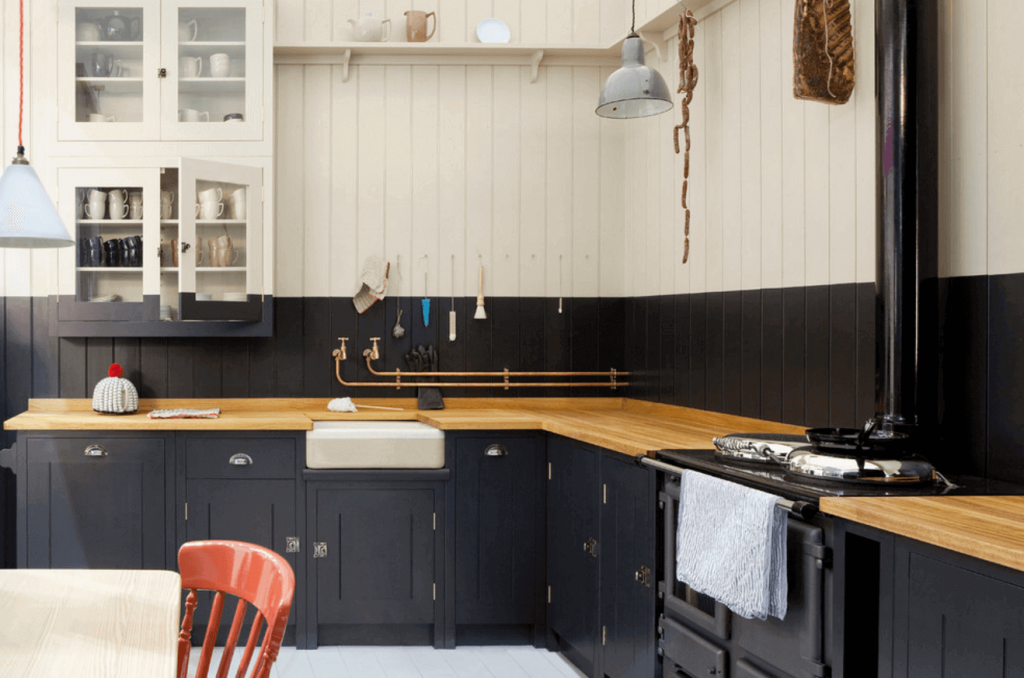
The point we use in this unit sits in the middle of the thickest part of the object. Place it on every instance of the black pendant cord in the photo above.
(632, 26)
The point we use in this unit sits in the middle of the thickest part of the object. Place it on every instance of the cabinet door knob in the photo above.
(495, 451)
(161, 72)
(95, 451)
(240, 459)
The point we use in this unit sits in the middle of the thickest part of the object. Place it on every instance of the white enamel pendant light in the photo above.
(634, 90)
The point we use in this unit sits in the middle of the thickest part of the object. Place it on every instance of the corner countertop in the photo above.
(620, 424)
(987, 528)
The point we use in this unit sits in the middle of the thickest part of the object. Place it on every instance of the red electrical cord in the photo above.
(21, 68)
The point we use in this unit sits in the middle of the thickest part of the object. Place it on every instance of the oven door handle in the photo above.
(799, 509)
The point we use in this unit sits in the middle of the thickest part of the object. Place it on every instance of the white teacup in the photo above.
(135, 205)
(220, 65)
(96, 208)
(190, 67)
(238, 203)
(99, 117)
(209, 210)
(192, 115)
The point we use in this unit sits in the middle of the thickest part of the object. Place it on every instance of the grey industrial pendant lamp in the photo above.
(634, 91)
(29, 218)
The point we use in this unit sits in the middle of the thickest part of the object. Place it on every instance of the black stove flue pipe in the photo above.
(906, 72)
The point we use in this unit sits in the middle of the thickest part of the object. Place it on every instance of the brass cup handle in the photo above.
(240, 459)
(96, 451)
(495, 451)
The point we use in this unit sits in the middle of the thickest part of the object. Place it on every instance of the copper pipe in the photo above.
(398, 385)
(491, 374)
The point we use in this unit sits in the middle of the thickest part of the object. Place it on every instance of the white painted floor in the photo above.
(518, 661)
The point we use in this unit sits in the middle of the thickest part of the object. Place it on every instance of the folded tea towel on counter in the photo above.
(212, 413)
(342, 405)
(731, 545)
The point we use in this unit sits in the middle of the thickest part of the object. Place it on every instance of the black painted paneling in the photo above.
(865, 351)
(153, 357)
(317, 345)
(963, 397)
(180, 362)
(651, 313)
(732, 352)
(715, 353)
(504, 338)
(343, 324)
(99, 354)
(667, 348)
(750, 403)
(289, 353)
(843, 355)
(478, 344)
(816, 408)
(72, 368)
(698, 350)
(531, 337)
(18, 371)
(235, 367)
(613, 334)
(369, 325)
(1005, 376)
(557, 341)
(207, 363)
(45, 353)
(794, 355)
(771, 354)
(681, 348)
(127, 353)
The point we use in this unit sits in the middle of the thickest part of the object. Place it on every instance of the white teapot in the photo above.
(369, 29)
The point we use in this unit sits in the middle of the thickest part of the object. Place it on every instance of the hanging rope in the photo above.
(21, 72)
(687, 83)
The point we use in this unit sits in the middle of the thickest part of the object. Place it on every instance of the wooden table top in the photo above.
(988, 528)
(619, 424)
(89, 623)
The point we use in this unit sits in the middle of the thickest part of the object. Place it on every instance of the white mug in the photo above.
(192, 115)
(190, 67)
(99, 117)
(220, 65)
(211, 195)
(135, 205)
(188, 32)
(238, 204)
(95, 209)
(118, 205)
(166, 200)
(209, 210)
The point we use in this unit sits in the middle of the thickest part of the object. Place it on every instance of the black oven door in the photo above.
(790, 648)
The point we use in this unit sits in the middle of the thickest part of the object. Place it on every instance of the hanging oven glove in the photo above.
(429, 397)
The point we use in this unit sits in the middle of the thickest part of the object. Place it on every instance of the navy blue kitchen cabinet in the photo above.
(377, 565)
(95, 501)
(601, 559)
(955, 615)
(241, 487)
(499, 538)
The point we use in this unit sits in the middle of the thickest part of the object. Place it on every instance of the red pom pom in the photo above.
(115, 371)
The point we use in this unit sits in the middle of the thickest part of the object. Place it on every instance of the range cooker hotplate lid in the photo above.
(812, 464)
(759, 447)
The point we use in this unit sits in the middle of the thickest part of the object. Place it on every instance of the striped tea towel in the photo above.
(212, 413)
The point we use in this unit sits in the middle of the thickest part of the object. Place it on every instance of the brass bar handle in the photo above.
(96, 451)
(240, 459)
(495, 451)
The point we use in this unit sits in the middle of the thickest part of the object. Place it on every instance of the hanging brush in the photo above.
(425, 302)
(481, 313)
(451, 313)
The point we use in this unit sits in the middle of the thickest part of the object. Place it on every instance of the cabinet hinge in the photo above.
(604, 492)
(435, 521)
(435, 590)
(186, 510)
(319, 549)
(549, 470)
(604, 635)
(549, 594)
(291, 544)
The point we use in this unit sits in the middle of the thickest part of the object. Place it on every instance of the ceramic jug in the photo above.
(369, 29)
(119, 27)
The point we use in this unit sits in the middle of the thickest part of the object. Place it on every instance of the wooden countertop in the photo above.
(619, 424)
(987, 528)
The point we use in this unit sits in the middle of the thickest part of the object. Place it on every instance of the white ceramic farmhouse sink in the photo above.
(374, 444)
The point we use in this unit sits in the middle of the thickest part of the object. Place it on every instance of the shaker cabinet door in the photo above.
(497, 521)
(97, 503)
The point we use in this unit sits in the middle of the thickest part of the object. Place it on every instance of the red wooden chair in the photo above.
(252, 573)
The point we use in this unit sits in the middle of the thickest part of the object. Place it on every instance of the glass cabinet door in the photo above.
(113, 218)
(213, 51)
(108, 88)
(221, 255)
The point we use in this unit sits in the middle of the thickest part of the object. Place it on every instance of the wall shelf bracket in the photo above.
(346, 60)
(535, 60)
(653, 42)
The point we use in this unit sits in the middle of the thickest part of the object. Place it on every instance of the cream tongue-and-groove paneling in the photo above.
(419, 163)
(781, 191)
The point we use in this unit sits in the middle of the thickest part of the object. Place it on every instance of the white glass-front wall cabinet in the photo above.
(160, 246)
(171, 70)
